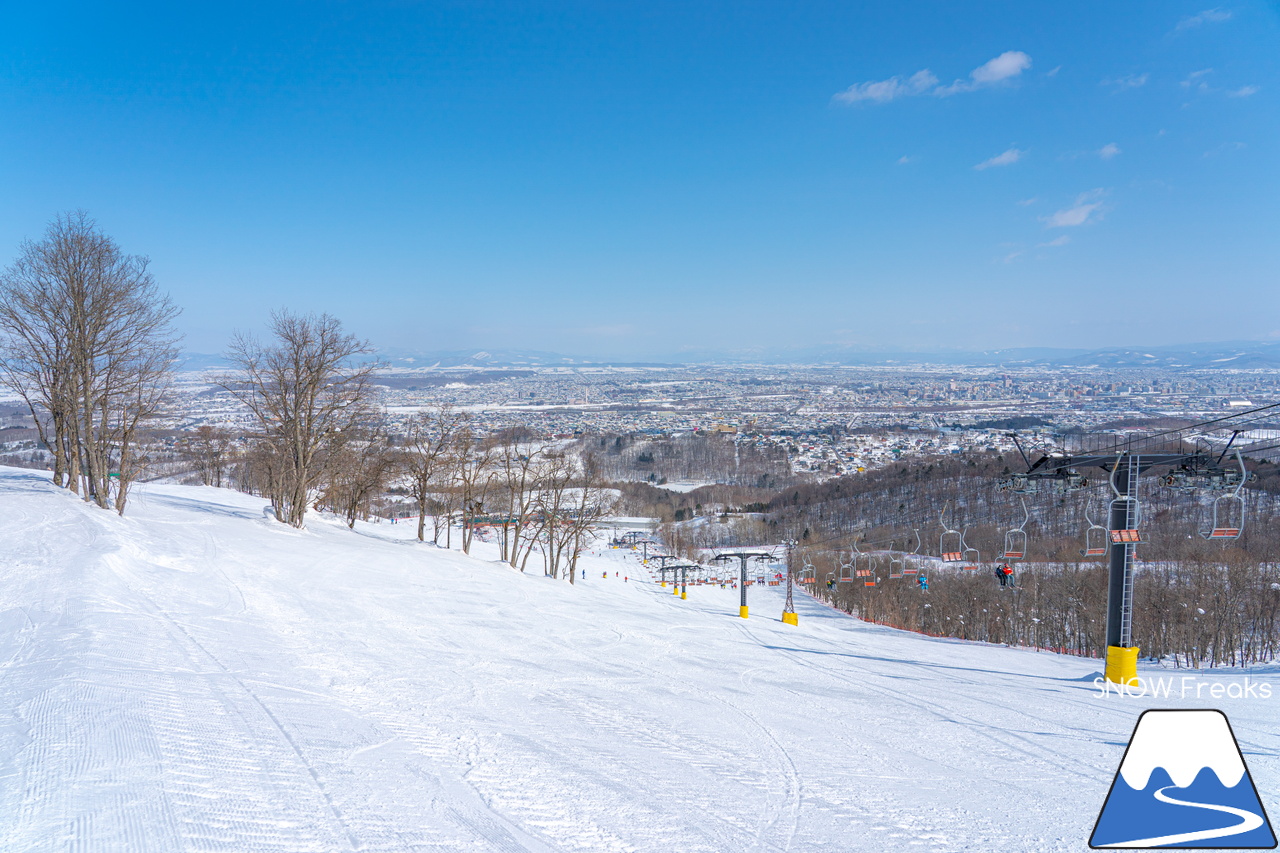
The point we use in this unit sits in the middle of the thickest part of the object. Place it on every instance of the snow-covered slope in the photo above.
(198, 677)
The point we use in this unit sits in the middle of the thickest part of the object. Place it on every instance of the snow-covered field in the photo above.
(198, 677)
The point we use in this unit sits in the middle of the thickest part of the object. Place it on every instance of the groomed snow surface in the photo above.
(195, 676)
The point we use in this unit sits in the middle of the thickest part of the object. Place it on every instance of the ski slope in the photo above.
(197, 677)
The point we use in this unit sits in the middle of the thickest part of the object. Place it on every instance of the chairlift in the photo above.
(1228, 510)
(847, 569)
(1095, 538)
(970, 562)
(895, 564)
(912, 568)
(808, 574)
(869, 578)
(951, 542)
(1015, 540)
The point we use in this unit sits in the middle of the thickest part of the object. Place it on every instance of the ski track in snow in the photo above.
(197, 677)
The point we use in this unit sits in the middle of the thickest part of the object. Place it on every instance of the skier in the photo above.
(1005, 573)
(923, 582)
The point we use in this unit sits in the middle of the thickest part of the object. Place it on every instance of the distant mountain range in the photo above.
(1232, 354)
(1223, 355)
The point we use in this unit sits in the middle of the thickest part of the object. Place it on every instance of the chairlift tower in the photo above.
(681, 588)
(662, 568)
(1125, 466)
(743, 556)
(789, 616)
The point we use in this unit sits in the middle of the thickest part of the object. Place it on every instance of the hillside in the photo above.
(196, 676)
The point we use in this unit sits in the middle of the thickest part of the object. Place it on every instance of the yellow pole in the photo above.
(790, 619)
(1122, 664)
(742, 611)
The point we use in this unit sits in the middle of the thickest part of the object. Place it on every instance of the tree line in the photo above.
(87, 342)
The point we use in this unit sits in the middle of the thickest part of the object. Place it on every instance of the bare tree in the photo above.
(356, 473)
(429, 443)
(308, 398)
(209, 449)
(591, 503)
(86, 339)
(473, 477)
(520, 467)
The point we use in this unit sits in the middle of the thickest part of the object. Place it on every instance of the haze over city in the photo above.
(653, 182)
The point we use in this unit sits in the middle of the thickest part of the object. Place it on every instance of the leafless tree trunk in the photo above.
(209, 449)
(520, 468)
(307, 398)
(427, 459)
(87, 340)
(473, 475)
(356, 473)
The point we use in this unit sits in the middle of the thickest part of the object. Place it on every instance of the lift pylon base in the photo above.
(1122, 665)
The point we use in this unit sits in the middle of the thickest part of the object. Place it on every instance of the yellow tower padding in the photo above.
(790, 619)
(742, 611)
(1122, 664)
(684, 595)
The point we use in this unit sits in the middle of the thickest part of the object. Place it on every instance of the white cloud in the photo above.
(1108, 151)
(1196, 79)
(904, 160)
(1225, 147)
(1208, 16)
(1006, 158)
(1056, 241)
(1130, 81)
(883, 91)
(1011, 63)
(1027, 202)
(1053, 72)
(1243, 92)
(1004, 67)
(1086, 210)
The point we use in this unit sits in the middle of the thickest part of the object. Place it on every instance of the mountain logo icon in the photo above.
(1183, 783)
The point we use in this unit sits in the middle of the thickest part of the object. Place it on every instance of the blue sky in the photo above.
(636, 180)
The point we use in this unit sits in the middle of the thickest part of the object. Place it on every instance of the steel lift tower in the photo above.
(1125, 465)
(742, 582)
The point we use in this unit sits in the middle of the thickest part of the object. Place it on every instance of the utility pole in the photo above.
(743, 556)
